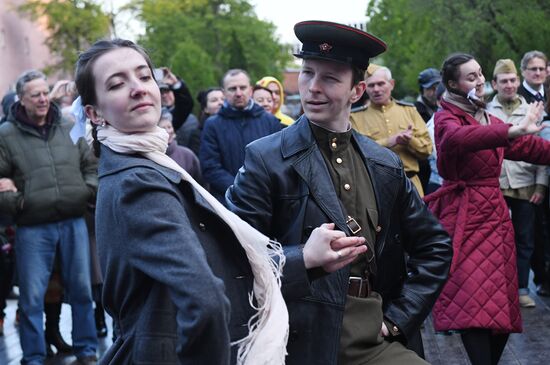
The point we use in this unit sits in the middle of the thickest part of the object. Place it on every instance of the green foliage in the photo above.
(422, 33)
(72, 25)
(192, 61)
(216, 34)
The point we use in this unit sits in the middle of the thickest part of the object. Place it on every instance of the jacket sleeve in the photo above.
(531, 149)
(210, 157)
(420, 144)
(162, 245)
(10, 202)
(452, 136)
(429, 252)
(250, 197)
(183, 105)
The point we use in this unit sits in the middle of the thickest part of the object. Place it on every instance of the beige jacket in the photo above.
(517, 174)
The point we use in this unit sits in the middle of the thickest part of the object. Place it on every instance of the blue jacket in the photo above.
(163, 252)
(224, 137)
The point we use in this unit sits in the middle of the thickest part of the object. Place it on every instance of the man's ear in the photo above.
(357, 91)
(92, 114)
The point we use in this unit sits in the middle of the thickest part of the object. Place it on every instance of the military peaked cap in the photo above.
(337, 42)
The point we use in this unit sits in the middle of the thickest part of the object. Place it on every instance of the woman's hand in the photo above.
(528, 125)
(169, 77)
(331, 249)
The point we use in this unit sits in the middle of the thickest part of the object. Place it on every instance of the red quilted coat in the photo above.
(482, 289)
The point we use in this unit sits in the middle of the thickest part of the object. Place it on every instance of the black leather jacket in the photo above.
(284, 190)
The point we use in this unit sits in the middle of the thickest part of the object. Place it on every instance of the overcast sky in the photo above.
(284, 14)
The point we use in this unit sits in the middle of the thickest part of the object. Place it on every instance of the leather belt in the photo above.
(358, 287)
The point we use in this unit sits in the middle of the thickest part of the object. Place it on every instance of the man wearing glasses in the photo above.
(533, 70)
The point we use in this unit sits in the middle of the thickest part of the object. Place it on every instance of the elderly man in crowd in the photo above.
(46, 182)
(394, 124)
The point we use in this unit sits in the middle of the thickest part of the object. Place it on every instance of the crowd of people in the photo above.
(244, 236)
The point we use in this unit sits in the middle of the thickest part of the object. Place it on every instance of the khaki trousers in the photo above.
(361, 343)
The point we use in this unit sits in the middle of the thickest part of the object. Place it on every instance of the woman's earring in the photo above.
(101, 122)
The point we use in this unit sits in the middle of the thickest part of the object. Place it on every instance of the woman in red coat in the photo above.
(480, 298)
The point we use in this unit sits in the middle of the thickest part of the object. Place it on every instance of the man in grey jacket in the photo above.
(523, 184)
(46, 182)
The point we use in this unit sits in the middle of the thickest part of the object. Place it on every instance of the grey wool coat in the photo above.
(176, 280)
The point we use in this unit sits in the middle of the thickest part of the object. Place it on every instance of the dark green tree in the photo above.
(421, 33)
(72, 26)
(223, 34)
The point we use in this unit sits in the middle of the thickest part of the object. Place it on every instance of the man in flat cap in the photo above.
(426, 102)
(394, 124)
(523, 184)
(426, 105)
(320, 171)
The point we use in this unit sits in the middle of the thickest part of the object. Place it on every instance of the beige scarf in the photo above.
(268, 328)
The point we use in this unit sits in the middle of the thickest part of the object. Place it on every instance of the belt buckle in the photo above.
(353, 225)
(356, 278)
(363, 284)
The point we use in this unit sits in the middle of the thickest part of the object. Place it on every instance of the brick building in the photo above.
(21, 44)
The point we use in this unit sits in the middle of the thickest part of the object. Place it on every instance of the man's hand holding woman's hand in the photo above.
(331, 249)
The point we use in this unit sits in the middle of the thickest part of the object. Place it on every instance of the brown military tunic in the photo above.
(360, 341)
(380, 122)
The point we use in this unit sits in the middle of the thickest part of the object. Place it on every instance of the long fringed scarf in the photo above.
(266, 341)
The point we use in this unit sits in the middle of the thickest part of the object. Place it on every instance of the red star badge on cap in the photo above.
(325, 47)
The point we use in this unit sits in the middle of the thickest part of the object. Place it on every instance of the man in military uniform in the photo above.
(318, 171)
(394, 124)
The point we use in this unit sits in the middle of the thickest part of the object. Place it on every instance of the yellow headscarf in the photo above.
(285, 119)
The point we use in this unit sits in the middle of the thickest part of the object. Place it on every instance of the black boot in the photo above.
(53, 336)
(100, 325)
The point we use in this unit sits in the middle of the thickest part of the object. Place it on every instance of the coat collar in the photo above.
(453, 109)
(298, 138)
(298, 143)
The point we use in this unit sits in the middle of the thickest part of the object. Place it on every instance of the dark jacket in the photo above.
(224, 137)
(54, 177)
(187, 131)
(183, 105)
(163, 252)
(285, 191)
(186, 159)
(424, 109)
(528, 96)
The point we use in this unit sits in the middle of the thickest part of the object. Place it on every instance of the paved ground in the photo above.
(529, 348)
